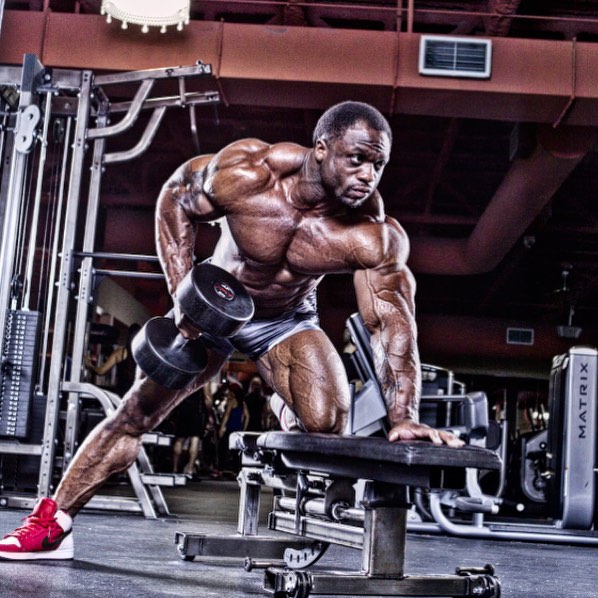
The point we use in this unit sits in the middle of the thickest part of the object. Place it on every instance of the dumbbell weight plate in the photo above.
(159, 352)
(214, 300)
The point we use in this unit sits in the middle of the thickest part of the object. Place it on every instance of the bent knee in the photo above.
(333, 421)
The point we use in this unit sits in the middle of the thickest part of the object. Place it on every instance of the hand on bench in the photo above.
(410, 430)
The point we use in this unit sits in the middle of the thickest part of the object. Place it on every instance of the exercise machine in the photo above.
(55, 129)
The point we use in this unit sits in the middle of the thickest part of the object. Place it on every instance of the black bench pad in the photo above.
(373, 457)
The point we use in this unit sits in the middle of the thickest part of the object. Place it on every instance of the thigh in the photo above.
(307, 372)
(147, 404)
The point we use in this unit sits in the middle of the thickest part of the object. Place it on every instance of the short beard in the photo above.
(352, 203)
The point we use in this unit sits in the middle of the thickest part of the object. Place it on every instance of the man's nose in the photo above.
(367, 173)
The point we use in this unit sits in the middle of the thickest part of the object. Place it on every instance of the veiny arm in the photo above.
(385, 291)
(181, 204)
(201, 190)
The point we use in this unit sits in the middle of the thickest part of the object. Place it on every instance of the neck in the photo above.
(308, 192)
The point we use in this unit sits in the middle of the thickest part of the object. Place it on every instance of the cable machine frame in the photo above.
(78, 96)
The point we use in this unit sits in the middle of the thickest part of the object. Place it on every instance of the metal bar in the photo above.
(193, 126)
(165, 73)
(8, 245)
(249, 504)
(326, 531)
(384, 541)
(10, 75)
(30, 78)
(16, 448)
(535, 533)
(192, 98)
(54, 254)
(236, 546)
(146, 468)
(36, 206)
(316, 506)
(114, 503)
(141, 492)
(129, 118)
(84, 296)
(3, 137)
(6, 206)
(17, 502)
(129, 274)
(134, 257)
(61, 310)
(347, 584)
(146, 139)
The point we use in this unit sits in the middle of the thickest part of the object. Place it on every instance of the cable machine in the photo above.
(49, 217)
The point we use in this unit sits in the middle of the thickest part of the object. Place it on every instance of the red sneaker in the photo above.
(46, 534)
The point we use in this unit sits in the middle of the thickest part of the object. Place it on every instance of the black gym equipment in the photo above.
(557, 465)
(215, 302)
(346, 490)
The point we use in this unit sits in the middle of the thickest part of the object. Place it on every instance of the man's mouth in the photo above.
(359, 192)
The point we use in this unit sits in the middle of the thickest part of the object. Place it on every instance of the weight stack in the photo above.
(18, 371)
(20, 473)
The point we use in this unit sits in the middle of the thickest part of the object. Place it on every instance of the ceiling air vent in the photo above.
(520, 336)
(455, 56)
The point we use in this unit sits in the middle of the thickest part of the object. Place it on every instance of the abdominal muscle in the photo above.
(275, 286)
(274, 290)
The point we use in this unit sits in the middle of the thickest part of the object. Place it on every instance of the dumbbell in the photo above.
(216, 302)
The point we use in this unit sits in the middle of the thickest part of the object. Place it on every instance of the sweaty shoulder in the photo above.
(381, 244)
(250, 166)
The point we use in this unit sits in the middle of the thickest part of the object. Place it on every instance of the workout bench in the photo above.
(346, 490)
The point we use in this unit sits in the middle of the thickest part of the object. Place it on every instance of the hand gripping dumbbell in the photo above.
(216, 302)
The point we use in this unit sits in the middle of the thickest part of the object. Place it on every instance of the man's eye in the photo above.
(357, 159)
(380, 165)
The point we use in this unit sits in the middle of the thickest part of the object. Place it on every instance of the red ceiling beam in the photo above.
(532, 80)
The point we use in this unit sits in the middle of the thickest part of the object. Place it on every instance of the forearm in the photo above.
(175, 239)
(397, 365)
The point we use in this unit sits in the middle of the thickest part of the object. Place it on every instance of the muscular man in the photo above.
(289, 216)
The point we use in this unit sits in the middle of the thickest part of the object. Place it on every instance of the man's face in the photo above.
(352, 165)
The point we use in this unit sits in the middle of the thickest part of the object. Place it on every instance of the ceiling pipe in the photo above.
(527, 188)
(499, 24)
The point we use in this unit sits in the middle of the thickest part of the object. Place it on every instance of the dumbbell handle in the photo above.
(179, 342)
(166, 356)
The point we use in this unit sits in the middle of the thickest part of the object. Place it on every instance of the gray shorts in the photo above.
(258, 336)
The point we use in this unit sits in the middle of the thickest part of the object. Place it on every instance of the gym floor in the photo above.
(127, 555)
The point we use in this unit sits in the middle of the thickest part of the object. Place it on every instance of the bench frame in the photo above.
(317, 508)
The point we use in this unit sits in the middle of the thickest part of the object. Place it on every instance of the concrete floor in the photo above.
(128, 555)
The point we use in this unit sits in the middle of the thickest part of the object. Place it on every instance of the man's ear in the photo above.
(320, 150)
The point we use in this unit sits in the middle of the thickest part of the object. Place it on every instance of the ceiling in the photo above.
(503, 234)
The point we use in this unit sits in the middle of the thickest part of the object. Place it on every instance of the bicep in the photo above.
(387, 284)
(385, 296)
